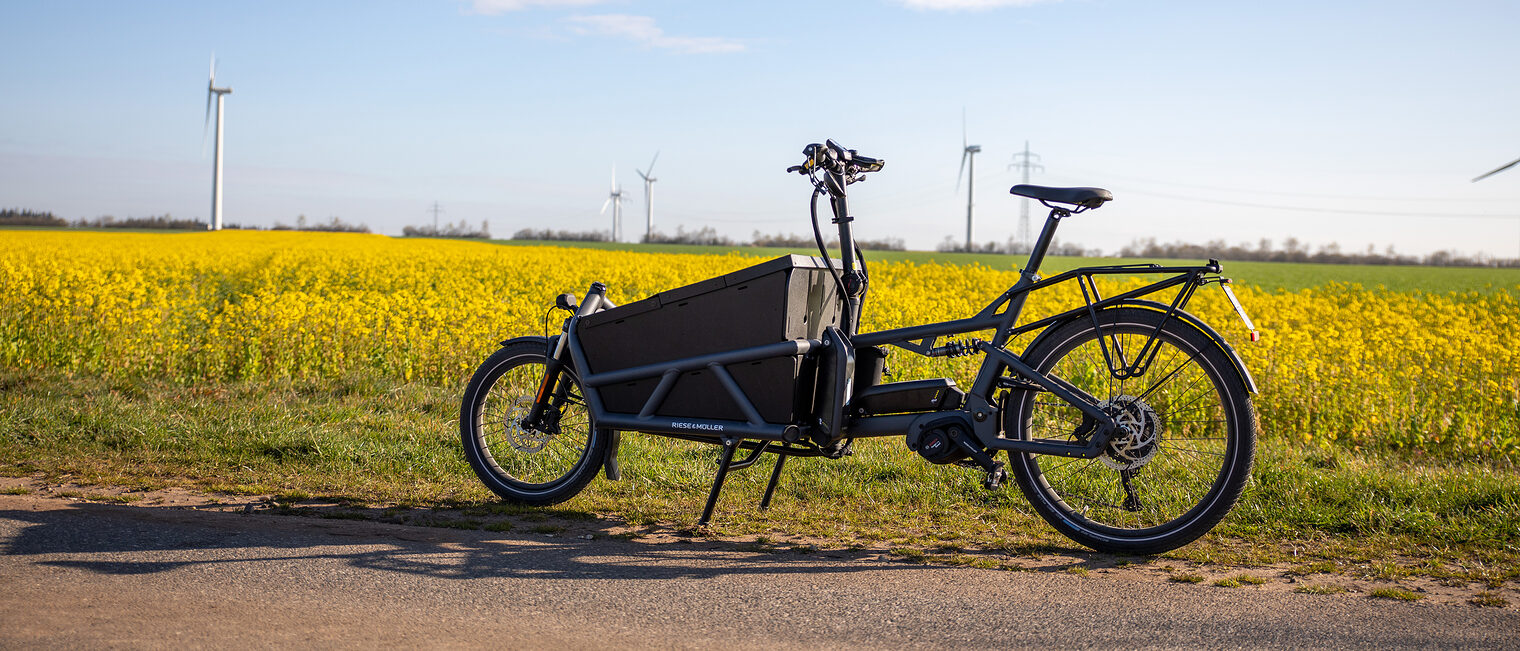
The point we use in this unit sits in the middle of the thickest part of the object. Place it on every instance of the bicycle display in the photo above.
(1127, 422)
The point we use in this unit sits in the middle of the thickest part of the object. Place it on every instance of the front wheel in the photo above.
(1184, 445)
(525, 465)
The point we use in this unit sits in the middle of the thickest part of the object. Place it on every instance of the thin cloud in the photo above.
(967, 5)
(642, 30)
(494, 7)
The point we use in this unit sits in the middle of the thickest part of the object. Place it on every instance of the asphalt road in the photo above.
(90, 575)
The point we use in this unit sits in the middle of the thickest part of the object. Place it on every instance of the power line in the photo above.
(1279, 193)
(435, 210)
(1338, 211)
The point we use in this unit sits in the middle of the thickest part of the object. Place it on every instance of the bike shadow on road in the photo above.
(128, 540)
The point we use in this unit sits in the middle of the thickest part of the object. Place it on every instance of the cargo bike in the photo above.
(1127, 422)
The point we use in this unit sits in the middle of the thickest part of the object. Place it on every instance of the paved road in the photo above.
(91, 575)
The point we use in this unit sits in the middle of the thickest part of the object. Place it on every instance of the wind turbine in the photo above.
(615, 199)
(649, 196)
(1501, 169)
(216, 175)
(968, 159)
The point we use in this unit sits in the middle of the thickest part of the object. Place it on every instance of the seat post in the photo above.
(1047, 234)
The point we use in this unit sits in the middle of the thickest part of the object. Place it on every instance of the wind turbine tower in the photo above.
(615, 199)
(1025, 161)
(216, 174)
(968, 159)
(649, 196)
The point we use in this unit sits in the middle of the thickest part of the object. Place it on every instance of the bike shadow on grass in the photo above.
(139, 540)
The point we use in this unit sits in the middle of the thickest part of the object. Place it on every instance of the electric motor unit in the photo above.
(935, 440)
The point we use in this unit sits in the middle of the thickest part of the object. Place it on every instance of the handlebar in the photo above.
(834, 158)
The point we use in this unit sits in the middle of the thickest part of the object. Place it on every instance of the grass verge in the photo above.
(1376, 515)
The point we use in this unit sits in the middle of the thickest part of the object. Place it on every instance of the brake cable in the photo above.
(818, 238)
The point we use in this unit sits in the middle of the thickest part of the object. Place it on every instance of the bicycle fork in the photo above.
(550, 393)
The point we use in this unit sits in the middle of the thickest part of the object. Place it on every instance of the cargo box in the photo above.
(791, 297)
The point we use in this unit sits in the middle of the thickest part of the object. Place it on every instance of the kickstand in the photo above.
(770, 488)
(726, 460)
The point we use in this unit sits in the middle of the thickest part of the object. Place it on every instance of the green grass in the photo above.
(365, 440)
(1185, 578)
(1488, 599)
(1267, 276)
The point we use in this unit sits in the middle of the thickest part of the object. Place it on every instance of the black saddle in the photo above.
(1084, 197)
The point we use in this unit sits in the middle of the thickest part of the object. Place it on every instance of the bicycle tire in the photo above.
(1188, 430)
(520, 465)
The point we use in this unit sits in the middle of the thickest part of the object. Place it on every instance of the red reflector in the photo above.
(1255, 336)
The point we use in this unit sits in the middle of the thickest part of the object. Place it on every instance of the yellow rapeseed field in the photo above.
(1432, 372)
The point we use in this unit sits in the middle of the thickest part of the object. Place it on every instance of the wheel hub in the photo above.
(1135, 442)
(521, 438)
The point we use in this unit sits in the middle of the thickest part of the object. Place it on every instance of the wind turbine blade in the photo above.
(206, 126)
(652, 160)
(1501, 169)
(958, 175)
(603, 211)
(641, 174)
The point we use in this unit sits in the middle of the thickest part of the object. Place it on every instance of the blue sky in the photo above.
(1346, 122)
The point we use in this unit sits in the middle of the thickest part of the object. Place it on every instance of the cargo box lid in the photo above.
(672, 296)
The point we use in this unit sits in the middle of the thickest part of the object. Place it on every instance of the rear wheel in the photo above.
(1183, 449)
(537, 466)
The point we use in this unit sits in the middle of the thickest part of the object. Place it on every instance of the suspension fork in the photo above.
(550, 393)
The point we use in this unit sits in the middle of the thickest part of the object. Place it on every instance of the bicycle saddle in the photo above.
(1085, 197)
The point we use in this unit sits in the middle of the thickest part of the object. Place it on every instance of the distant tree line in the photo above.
(332, 225)
(450, 230)
(18, 217)
(1012, 247)
(1293, 250)
(562, 236)
(706, 236)
(790, 241)
(164, 221)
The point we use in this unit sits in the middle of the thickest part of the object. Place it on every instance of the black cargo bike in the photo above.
(1127, 422)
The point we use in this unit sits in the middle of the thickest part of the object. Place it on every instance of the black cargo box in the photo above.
(791, 297)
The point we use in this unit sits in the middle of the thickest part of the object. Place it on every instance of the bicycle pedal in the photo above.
(995, 477)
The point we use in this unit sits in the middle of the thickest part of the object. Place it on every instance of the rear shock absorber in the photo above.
(955, 348)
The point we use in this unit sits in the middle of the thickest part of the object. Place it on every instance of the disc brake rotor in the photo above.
(520, 438)
(1135, 442)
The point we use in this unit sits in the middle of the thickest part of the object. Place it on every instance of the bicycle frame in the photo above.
(1001, 316)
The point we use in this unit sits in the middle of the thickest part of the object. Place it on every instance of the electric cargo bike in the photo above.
(1127, 422)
